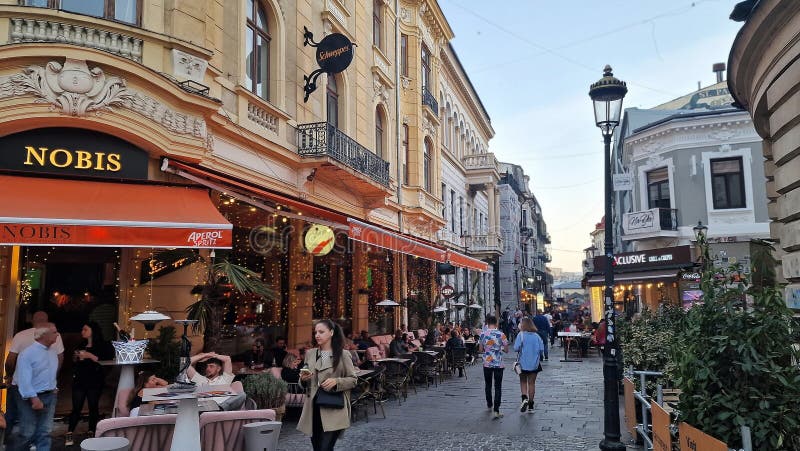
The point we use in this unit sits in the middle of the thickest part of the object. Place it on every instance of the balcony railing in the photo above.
(484, 243)
(650, 221)
(480, 161)
(323, 139)
(429, 99)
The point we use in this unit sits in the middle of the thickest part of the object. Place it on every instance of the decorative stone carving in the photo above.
(405, 82)
(429, 127)
(188, 66)
(406, 16)
(71, 88)
(381, 91)
(76, 90)
(262, 117)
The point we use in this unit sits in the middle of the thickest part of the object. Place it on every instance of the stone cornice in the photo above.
(690, 133)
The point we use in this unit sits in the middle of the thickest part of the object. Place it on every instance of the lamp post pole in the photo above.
(607, 95)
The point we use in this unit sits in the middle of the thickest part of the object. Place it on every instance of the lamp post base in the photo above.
(610, 445)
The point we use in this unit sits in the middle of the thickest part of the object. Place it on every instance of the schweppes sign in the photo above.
(72, 152)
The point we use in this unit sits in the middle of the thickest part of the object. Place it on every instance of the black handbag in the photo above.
(328, 399)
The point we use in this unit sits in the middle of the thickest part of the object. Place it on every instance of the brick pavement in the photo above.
(568, 415)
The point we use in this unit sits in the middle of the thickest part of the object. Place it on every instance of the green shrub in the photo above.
(646, 343)
(166, 349)
(267, 391)
(733, 361)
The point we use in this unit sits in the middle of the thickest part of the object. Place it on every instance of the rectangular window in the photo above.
(727, 183)
(404, 55)
(444, 201)
(452, 210)
(407, 153)
(461, 215)
(377, 24)
(658, 189)
(120, 10)
(426, 68)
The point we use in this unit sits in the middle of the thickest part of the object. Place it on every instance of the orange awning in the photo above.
(377, 236)
(463, 261)
(53, 212)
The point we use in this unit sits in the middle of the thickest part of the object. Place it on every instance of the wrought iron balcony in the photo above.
(319, 139)
(429, 99)
(654, 221)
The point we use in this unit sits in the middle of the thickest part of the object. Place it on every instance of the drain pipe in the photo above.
(398, 143)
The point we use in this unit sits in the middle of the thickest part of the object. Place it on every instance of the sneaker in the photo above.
(497, 415)
(524, 405)
(69, 440)
(489, 406)
(530, 407)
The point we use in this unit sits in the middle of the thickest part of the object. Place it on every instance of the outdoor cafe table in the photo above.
(392, 359)
(579, 336)
(187, 425)
(125, 375)
(161, 408)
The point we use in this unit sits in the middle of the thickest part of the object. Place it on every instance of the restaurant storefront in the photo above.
(644, 279)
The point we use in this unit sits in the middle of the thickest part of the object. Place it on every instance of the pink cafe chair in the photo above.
(223, 431)
(144, 433)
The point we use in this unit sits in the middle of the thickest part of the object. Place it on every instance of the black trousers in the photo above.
(497, 375)
(81, 393)
(321, 440)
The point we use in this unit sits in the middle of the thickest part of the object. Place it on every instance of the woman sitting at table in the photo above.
(146, 379)
(398, 346)
(290, 368)
(410, 344)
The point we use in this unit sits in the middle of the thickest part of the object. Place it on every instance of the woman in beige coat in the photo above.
(326, 369)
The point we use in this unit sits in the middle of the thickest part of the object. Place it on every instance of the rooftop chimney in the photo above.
(719, 69)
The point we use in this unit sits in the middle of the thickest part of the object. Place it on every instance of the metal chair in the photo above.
(427, 367)
(458, 360)
(472, 353)
(395, 379)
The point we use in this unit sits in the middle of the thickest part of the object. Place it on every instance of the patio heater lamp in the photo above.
(182, 380)
(149, 319)
(702, 245)
(459, 306)
(607, 94)
(388, 306)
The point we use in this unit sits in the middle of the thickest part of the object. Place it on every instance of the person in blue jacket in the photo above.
(542, 324)
(530, 348)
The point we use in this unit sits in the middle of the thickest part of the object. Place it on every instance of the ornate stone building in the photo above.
(131, 127)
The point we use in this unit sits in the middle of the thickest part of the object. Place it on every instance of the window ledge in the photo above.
(721, 211)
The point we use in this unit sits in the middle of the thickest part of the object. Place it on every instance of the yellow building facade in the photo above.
(209, 97)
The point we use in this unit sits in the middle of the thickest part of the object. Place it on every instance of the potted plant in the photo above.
(166, 349)
(267, 391)
(733, 358)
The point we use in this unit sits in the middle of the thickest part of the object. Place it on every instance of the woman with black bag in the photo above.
(328, 379)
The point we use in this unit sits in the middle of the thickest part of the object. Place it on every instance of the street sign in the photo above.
(623, 181)
(448, 291)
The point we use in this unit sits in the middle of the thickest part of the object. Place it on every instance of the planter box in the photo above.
(662, 440)
(693, 439)
(630, 407)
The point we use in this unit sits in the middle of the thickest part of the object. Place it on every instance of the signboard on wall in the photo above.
(72, 152)
(623, 181)
(648, 259)
(645, 221)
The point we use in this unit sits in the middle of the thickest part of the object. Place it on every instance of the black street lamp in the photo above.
(607, 95)
(702, 244)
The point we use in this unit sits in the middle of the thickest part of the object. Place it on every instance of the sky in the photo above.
(532, 61)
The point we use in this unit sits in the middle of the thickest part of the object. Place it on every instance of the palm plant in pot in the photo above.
(222, 277)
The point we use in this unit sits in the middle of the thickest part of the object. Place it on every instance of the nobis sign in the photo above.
(334, 55)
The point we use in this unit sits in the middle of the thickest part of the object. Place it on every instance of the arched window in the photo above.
(257, 41)
(378, 133)
(332, 101)
(427, 167)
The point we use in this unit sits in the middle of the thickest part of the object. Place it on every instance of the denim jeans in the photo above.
(497, 375)
(35, 426)
(544, 336)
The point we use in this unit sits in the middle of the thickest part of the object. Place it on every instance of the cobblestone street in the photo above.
(568, 415)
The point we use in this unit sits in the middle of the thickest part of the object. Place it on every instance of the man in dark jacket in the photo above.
(543, 329)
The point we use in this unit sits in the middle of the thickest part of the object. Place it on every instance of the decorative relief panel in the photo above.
(76, 90)
(188, 66)
(262, 117)
(381, 91)
(38, 30)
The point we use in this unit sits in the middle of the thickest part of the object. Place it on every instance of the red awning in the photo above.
(463, 261)
(53, 212)
(377, 236)
(192, 173)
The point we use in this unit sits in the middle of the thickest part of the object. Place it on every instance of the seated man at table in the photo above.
(455, 341)
(218, 371)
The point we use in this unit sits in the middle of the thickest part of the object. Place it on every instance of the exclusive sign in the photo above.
(334, 55)
(72, 152)
(653, 258)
